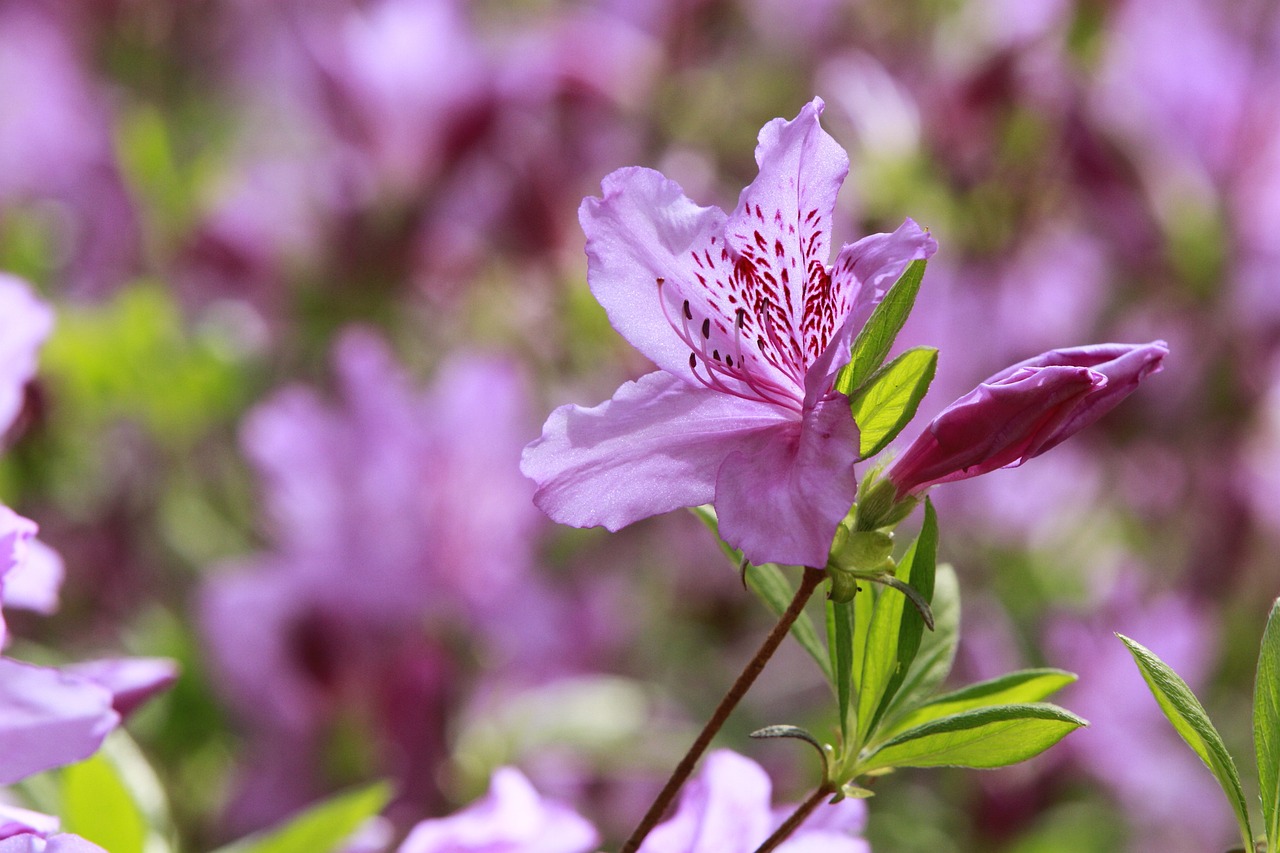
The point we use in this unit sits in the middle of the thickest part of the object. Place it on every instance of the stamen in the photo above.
(706, 328)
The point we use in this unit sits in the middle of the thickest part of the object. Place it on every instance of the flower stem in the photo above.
(799, 816)
(808, 583)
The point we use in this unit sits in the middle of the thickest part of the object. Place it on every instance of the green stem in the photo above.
(808, 583)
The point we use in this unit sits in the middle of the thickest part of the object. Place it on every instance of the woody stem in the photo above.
(799, 816)
(808, 583)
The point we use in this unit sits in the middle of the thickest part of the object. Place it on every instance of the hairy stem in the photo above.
(808, 583)
(799, 816)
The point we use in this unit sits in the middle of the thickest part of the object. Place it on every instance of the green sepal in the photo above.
(983, 738)
(115, 800)
(1191, 722)
(889, 399)
(876, 338)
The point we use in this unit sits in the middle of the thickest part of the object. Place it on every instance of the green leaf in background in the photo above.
(937, 648)
(982, 738)
(876, 338)
(1266, 726)
(320, 829)
(1191, 722)
(114, 800)
(772, 587)
(890, 398)
(1028, 685)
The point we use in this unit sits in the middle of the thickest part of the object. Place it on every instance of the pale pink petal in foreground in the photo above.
(132, 681)
(48, 718)
(511, 817)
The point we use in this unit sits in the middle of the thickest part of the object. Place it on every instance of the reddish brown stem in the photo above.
(799, 816)
(808, 583)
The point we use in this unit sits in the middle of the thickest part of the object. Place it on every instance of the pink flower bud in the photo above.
(1022, 411)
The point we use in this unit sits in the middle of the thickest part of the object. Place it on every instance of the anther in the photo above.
(706, 328)
(693, 360)
(688, 315)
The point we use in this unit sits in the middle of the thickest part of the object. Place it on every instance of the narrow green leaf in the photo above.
(320, 829)
(771, 586)
(889, 399)
(981, 738)
(877, 336)
(937, 649)
(864, 605)
(840, 648)
(1028, 685)
(1191, 722)
(1266, 725)
(897, 627)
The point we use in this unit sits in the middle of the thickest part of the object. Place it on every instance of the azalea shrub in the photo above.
(429, 428)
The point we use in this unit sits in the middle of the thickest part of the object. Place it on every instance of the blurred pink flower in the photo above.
(512, 817)
(1169, 797)
(725, 809)
(400, 523)
(1022, 411)
(749, 327)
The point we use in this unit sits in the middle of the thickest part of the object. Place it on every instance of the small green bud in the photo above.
(844, 586)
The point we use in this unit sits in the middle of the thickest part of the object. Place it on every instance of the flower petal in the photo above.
(783, 502)
(725, 809)
(644, 229)
(656, 446)
(782, 224)
(132, 681)
(48, 718)
(25, 322)
(861, 275)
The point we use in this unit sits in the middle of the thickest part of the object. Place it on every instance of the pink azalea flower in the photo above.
(59, 843)
(725, 809)
(1022, 411)
(748, 326)
(511, 817)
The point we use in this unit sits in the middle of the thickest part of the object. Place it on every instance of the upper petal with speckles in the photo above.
(782, 225)
(863, 272)
(782, 502)
(656, 446)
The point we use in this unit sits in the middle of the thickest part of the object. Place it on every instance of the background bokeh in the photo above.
(318, 278)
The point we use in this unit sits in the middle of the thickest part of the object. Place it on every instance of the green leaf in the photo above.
(1191, 722)
(771, 586)
(981, 738)
(877, 336)
(896, 628)
(840, 649)
(937, 649)
(1028, 685)
(889, 399)
(114, 799)
(1266, 726)
(320, 829)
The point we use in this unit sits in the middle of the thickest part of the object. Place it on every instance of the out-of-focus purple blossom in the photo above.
(511, 817)
(56, 156)
(60, 843)
(749, 327)
(1170, 798)
(132, 681)
(25, 322)
(385, 551)
(726, 809)
(25, 831)
(1022, 411)
(48, 718)
(34, 583)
